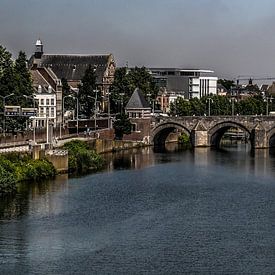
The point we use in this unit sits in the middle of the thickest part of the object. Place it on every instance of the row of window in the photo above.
(47, 101)
(48, 111)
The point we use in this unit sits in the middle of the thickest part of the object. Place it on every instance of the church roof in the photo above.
(72, 67)
(137, 101)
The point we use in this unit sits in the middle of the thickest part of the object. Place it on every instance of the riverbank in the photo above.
(18, 167)
(84, 156)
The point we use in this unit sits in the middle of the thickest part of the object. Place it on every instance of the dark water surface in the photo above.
(190, 212)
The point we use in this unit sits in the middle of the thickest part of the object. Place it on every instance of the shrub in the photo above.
(7, 182)
(81, 159)
(38, 170)
(184, 139)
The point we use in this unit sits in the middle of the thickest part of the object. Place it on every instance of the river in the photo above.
(176, 212)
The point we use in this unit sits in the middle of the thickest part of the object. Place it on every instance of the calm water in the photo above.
(201, 212)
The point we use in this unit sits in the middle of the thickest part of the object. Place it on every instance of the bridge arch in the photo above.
(271, 137)
(216, 133)
(162, 131)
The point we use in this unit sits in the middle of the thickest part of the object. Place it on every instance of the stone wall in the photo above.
(105, 146)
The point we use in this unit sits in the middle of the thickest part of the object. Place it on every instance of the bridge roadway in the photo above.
(207, 131)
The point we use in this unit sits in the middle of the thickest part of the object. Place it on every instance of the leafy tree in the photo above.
(69, 103)
(181, 107)
(23, 78)
(228, 84)
(126, 81)
(122, 125)
(87, 92)
(120, 90)
(15, 79)
(7, 81)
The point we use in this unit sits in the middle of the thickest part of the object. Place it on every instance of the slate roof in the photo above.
(73, 67)
(38, 79)
(137, 101)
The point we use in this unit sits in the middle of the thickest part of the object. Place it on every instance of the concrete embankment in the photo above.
(59, 158)
(104, 145)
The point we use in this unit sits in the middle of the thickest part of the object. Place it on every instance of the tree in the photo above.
(227, 84)
(7, 81)
(126, 81)
(69, 103)
(120, 90)
(87, 92)
(22, 76)
(122, 125)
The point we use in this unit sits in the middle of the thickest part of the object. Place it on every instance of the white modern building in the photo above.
(188, 83)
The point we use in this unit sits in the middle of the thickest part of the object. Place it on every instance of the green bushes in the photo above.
(7, 182)
(16, 168)
(184, 139)
(81, 159)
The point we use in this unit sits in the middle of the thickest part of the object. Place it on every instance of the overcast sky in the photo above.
(231, 37)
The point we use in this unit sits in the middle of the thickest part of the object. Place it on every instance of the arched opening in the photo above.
(228, 134)
(271, 136)
(168, 133)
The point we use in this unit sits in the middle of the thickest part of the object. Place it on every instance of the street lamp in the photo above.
(232, 100)
(76, 98)
(210, 100)
(95, 99)
(121, 101)
(32, 117)
(62, 114)
(4, 111)
(266, 100)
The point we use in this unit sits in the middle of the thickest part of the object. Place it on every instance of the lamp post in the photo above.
(4, 111)
(76, 98)
(33, 117)
(109, 110)
(266, 100)
(210, 100)
(95, 99)
(62, 113)
(232, 100)
(121, 101)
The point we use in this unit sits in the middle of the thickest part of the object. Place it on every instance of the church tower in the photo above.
(38, 49)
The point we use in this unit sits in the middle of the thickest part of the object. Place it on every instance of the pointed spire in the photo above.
(137, 101)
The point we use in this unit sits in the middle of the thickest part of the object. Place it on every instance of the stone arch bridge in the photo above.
(208, 131)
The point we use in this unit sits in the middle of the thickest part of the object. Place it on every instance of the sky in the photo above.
(231, 37)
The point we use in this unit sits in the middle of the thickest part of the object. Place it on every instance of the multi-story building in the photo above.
(188, 83)
(48, 69)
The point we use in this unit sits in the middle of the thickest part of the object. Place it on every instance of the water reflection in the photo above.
(34, 197)
(191, 211)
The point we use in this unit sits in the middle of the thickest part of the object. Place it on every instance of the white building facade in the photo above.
(46, 100)
(187, 83)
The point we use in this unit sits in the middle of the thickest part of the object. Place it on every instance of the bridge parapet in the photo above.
(207, 130)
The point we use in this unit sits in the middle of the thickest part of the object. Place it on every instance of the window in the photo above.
(47, 101)
(52, 112)
(42, 101)
(47, 111)
(52, 101)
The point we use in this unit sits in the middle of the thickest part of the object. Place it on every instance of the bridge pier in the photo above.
(199, 136)
(259, 138)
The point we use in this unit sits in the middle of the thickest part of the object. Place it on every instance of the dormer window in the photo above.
(39, 90)
(50, 89)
